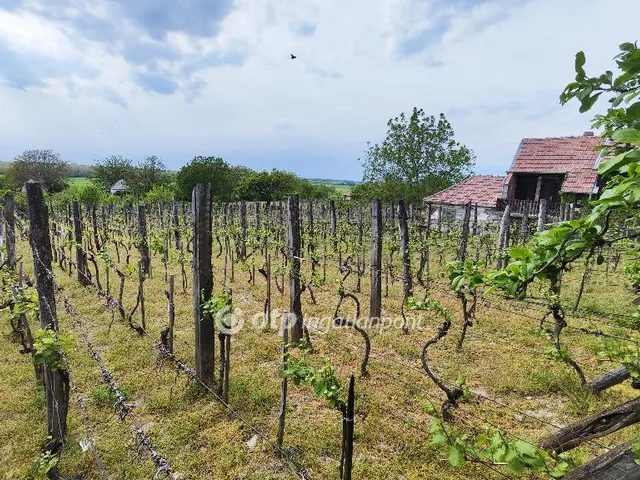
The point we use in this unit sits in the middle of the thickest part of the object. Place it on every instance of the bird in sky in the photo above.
(293, 57)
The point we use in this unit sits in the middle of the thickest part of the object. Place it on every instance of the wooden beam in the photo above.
(592, 427)
(618, 464)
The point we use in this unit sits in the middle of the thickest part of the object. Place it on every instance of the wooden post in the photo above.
(56, 380)
(375, 305)
(348, 420)
(172, 311)
(176, 225)
(464, 237)
(141, 295)
(360, 248)
(143, 247)
(283, 382)
(243, 230)
(524, 225)
(203, 282)
(503, 236)
(94, 225)
(81, 255)
(10, 221)
(405, 254)
(267, 303)
(542, 215)
(332, 223)
(617, 464)
(293, 242)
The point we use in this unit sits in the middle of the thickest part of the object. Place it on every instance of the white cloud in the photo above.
(495, 68)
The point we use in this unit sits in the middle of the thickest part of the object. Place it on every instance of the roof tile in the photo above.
(483, 190)
(573, 156)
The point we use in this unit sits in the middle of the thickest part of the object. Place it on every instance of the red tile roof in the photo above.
(483, 190)
(572, 156)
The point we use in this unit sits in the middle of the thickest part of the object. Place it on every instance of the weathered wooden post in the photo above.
(375, 303)
(524, 224)
(283, 382)
(542, 215)
(171, 311)
(503, 236)
(360, 249)
(464, 236)
(405, 256)
(293, 242)
(141, 295)
(10, 230)
(267, 303)
(243, 230)
(81, 255)
(203, 283)
(332, 223)
(176, 225)
(94, 225)
(143, 245)
(56, 380)
(348, 421)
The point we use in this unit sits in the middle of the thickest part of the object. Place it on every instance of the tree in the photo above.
(237, 173)
(43, 165)
(91, 194)
(213, 170)
(159, 194)
(268, 186)
(148, 173)
(418, 157)
(109, 170)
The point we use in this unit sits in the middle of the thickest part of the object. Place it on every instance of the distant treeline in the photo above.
(76, 170)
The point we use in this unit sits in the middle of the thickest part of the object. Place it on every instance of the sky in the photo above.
(180, 78)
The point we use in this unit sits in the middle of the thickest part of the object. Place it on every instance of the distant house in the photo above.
(118, 188)
(545, 168)
(347, 195)
(480, 190)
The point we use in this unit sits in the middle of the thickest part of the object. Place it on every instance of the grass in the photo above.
(501, 358)
(79, 181)
(341, 188)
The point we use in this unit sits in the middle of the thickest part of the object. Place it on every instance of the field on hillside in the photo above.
(513, 387)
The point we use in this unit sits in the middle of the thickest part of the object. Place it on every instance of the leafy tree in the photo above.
(109, 170)
(237, 173)
(268, 186)
(418, 157)
(159, 194)
(387, 191)
(43, 165)
(90, 194)
(148, 173)
(213, 170)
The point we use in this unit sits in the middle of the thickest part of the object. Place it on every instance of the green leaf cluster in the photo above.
(50, 347)
(492, 447)
(322, 379)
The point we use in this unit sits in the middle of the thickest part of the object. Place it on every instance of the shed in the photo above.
(481, 190)
(118, 188)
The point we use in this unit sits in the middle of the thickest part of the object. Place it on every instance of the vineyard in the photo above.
(158, 331)
(320, 340)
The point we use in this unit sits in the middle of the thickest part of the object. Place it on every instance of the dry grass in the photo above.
(502, 360)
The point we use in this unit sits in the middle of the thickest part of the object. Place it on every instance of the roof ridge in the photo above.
(563, 137)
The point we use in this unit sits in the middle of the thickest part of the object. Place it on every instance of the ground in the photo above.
(513, 385)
